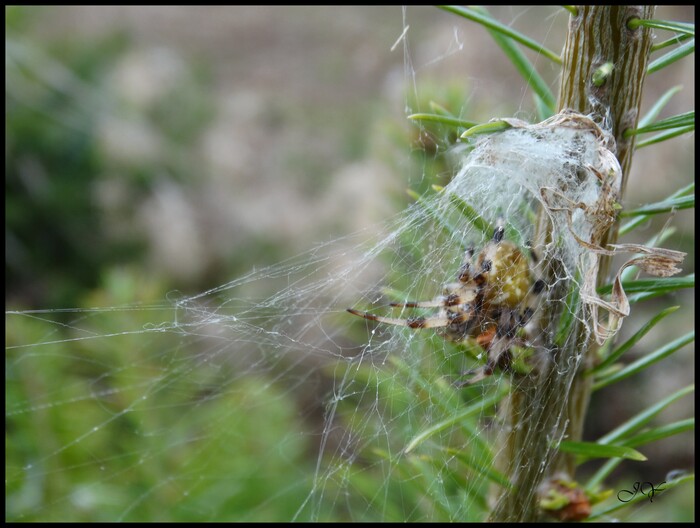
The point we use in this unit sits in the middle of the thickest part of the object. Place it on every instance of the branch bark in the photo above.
(551, 406)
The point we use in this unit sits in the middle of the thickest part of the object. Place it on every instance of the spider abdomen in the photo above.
(509, 278)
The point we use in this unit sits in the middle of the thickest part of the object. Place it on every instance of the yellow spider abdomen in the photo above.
(509, 277)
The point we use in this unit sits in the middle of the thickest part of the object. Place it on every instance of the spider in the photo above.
(492, 299)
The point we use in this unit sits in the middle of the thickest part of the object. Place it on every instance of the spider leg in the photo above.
(414, 322)
(539, 285)
(452, 299)
(530, 303)
(466, 275)
(533, 254)
(435, 303)
(499, 357)
(508, 324)
(477, 375)
(498, 234)
(465, 271)
(497, 343)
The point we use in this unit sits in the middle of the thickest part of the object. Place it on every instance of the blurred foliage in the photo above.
(230, 452)
(59, 99)
(170, 430)
(55, 241)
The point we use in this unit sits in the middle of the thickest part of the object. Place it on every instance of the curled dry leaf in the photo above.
(600, 215)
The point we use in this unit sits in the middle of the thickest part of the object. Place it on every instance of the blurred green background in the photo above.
(156, 150)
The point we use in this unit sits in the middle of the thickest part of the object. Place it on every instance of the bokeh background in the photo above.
(152, 150)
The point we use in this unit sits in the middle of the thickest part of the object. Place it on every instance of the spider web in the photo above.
(266, 382)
